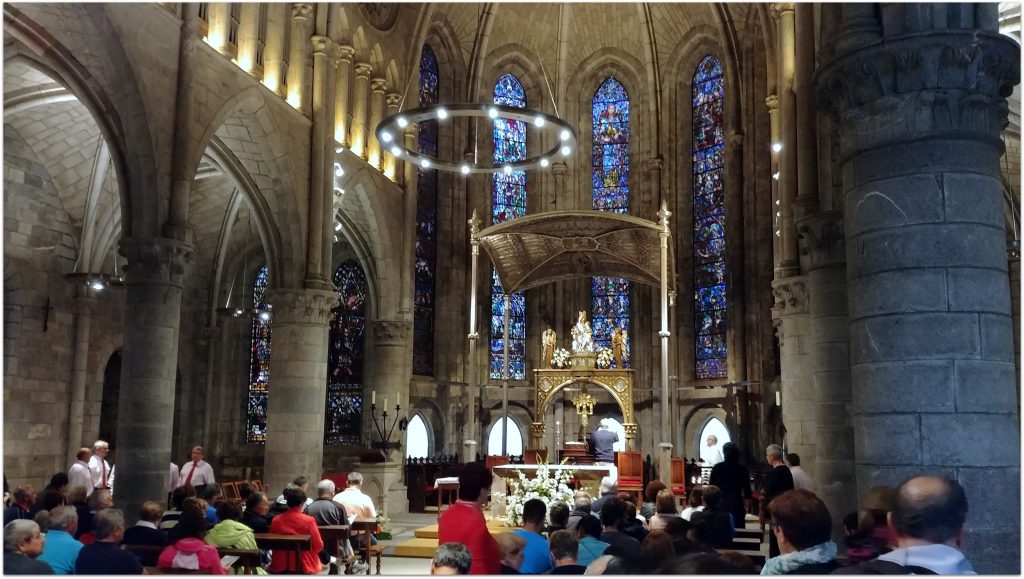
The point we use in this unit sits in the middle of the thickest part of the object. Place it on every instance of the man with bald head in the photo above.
(929, 519)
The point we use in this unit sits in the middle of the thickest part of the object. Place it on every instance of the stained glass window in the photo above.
(259, 364)
(709, 221)
(426, 226)
(508, 201)
(345, 356)
(610, 295)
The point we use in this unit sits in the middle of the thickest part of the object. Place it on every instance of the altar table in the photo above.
(582, 472)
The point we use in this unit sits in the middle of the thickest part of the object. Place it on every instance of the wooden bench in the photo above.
(376, 551)
(248, 559)
(756, 556)
(296, 544)
(335, 536)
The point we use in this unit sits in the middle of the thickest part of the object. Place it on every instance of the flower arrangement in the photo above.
(383, 527)
(543, 486)
(560, 359)
(604, 358)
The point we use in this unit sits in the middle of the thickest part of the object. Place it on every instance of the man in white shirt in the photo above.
(712, 453)
(80, 474)
(172, 478)
(801, 480)
(99, 466)
(198, 472)
(354, 500)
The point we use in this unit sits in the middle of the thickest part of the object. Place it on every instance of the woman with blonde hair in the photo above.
(666, 510)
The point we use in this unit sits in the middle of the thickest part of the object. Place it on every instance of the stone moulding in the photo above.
(790, 296)
(391, 331)
(301, 306)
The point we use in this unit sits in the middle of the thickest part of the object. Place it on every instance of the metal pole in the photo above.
(471, 380)
(666, 444)
(504, 379)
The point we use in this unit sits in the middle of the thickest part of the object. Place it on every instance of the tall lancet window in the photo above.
(709, 271)
(508, 201)
(346, 329)
(426, 226)
(610, 304)
(259, 363)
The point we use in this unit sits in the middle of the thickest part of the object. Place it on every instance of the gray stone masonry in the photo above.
(799, 410)
(931, 345)
(295, 408)
(149, 362)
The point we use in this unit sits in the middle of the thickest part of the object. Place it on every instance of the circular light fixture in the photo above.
(337, 226)
(545, 122)
(264, 316)
(339, 150)
(508, 169)
(776, 147)
(775, 175)
(338, 171)
(385, 137)
(98, 284)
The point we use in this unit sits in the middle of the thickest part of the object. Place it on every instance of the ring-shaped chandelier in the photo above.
(390, 129)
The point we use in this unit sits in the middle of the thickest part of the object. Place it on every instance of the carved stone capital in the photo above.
(772, 102)
(949, 83)
(378, 85)
(302, 11)
(822, 239)
(559, 168)
(393, 99)
(323, 46)
(155, 261)
(656, 164)
(391, 332)
(790, 296)
(363, 70)
(301, 306)
(345, 53)
(734, 140)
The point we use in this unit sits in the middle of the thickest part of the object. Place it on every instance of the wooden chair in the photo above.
(536, 456)
(230, 491)
(497, 460)
(257, 484)
(376, 551)
(631, 474)
(677, 481)
(296, 544)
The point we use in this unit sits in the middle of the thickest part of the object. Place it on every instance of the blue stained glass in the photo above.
(259, 364)
(709, 273)
(426, 225)
(346, 328)
(610, 297)
(508, 201)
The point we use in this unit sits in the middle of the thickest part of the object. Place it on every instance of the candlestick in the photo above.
(385, 403)
(373, 397)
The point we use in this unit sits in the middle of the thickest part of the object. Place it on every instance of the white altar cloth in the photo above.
(582, 472)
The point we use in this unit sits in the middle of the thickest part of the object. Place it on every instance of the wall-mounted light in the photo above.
(776, 147)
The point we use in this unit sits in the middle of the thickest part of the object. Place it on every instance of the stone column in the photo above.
(392, 166)
(342, 114)
(787, 132)
(321, 177)
(153, 280)
(275, 50)
(248, 35)
(296, 403)
(360, 101)
(218, 21)
(298, 56)
(390, 371)
(772, 102)
(373, 155)
(792, 322)
(822, 241)
(806, 124)
(79, 370)
(931, 345)
(408, 289)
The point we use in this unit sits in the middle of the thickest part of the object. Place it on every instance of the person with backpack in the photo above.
(929, 519)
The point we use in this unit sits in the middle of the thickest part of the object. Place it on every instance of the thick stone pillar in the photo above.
(931, 345)
(79, 370)
(373, 155)
(790, 264)
(275, 50)
(772, 102)
(792, 322)
(360, 106)
(408, 288)
(298, 56)
(822, 241)
(153, 287)
(806, 122)
(295, 408)
(389, 373)
(342, 114)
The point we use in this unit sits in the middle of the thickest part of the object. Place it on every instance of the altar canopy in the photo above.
(536, 250)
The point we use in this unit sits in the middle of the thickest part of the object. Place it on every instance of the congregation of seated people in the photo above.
(77, 529)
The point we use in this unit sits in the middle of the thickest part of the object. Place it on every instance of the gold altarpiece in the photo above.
(582, 371)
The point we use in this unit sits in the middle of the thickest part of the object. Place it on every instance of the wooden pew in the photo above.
(248, 559)
(296, 544)
(335, 536)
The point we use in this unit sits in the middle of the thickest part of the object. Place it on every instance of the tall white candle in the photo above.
(373, 397)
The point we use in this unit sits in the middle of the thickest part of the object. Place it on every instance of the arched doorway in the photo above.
(515, 438)
(417, 438)
(713, 427)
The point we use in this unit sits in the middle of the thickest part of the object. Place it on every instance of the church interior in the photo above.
(284, 232)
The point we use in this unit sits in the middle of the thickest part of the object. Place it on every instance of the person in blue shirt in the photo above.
(537, 556)
(588, 536)
(61, 548)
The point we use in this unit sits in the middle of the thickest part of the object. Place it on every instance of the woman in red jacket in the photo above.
(295, 522)
(464, 521)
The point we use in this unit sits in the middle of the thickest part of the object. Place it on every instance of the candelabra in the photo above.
(382, 427)
(584, 404)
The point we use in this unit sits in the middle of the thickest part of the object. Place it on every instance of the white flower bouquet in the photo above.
(604, 358)
(560, 359)
(550, 489)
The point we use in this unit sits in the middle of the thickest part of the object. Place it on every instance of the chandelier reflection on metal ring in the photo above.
(389, 130)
